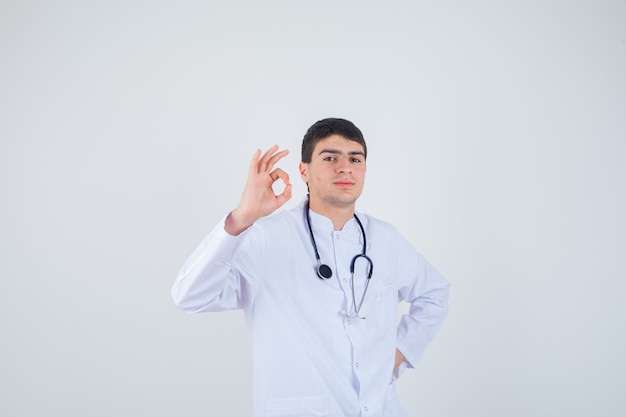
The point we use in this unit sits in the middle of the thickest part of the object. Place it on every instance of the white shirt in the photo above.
(311, 356)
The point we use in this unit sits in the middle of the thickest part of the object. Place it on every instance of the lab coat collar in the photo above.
(323, 224)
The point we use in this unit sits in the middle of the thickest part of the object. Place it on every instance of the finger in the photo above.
(280, 174)
(262, 167)
(254, 164)
(276, 157)
(284, 196)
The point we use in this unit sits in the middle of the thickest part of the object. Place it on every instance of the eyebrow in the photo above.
(338, 152)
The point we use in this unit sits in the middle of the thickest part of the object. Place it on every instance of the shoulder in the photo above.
(384, 234)
(376, 225)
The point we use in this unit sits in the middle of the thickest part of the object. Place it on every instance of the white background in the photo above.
(497, 137)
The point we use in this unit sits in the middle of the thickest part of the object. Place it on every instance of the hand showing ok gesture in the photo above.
(258, 198)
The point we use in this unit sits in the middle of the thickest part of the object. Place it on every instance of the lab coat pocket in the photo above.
(385, 306)
(297, 407)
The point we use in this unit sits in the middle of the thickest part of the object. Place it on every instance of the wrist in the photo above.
(236, 223)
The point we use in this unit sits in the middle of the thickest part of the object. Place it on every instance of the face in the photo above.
(335, 174)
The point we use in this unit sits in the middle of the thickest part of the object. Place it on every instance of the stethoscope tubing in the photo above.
(325, 272)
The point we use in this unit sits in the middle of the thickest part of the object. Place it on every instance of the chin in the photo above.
(342, 201)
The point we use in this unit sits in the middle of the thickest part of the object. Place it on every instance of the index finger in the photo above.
(279, 174)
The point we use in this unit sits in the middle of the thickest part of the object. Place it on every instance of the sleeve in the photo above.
(214, 277)
(427, 291)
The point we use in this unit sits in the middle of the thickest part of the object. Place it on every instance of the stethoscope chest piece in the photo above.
(324, 271)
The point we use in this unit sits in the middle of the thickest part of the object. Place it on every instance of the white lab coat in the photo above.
(311, 356)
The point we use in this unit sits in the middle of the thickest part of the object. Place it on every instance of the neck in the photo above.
(339, 215)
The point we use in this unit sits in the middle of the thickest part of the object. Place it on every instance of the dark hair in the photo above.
(328, 127)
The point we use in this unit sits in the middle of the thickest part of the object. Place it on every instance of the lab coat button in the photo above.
(357, 365)
(365, 409)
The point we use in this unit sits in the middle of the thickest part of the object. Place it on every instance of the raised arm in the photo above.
(258, 198)
(207, 281)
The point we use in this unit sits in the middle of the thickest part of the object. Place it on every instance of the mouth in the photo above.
(344, 183)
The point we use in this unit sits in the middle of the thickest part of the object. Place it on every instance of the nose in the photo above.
(343, 165)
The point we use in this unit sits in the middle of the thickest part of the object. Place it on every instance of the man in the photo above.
(319, 285)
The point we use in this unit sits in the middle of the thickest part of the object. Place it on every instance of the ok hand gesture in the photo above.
(258, 198)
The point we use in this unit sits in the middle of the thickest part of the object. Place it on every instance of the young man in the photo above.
(319, 285)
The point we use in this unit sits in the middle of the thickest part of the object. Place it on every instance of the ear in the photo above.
(304, 171)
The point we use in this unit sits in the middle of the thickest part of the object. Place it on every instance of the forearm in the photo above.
(417, 329)
(205, 275)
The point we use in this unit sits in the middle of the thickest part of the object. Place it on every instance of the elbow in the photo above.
(182, 301)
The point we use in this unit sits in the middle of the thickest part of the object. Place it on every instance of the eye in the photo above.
(356, 160)
(329, 158)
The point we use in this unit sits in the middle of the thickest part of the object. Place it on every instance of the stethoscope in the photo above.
(324, 271)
